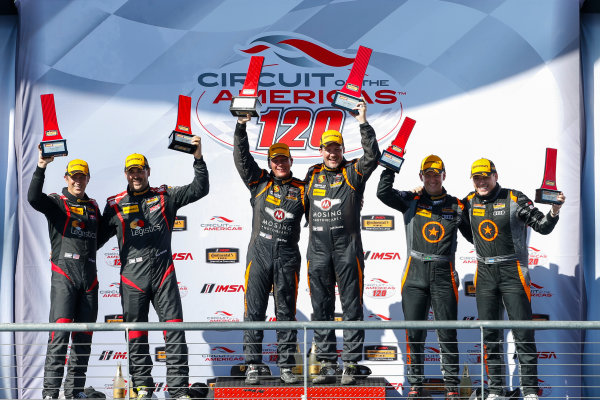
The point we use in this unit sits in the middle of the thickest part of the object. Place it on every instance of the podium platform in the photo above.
(272, 388)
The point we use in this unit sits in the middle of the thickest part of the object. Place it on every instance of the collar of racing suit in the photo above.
(342, 165)
(132, 193)
(492, 196)
(75, 199)
(436, 197)
(279, 181)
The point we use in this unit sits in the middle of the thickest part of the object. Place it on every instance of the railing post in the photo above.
(129, 386)
(305, 369)
(482, 360)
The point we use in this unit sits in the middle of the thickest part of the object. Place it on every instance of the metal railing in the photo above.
(304, 327)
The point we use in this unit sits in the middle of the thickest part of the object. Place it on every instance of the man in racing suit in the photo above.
(432, 219)
(499, 221)
(273, 259)
(73, 220)
(335, 254)
(142, 217)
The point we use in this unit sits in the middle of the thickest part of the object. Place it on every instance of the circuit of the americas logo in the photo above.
(222, 255)
(377, 222)
(220, 223)
(299, 78)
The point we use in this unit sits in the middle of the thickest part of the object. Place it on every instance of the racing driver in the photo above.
(334, 195)
(499, 221)
(73, 220)
(432, 219)
(273, 259)
(142, 218)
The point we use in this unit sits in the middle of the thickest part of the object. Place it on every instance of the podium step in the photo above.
(272, 388)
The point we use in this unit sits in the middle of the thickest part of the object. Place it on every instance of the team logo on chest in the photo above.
(488, 230)
(279, 214)
(433, 232)
(326, 203)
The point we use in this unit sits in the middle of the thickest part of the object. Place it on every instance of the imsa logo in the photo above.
(377, 222)
(222, 255)
(213, 287)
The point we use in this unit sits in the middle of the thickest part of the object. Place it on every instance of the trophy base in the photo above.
(54, 148)
(180, 141)
(391, 161)
(346, 102)
(547, 196)
(242, 105)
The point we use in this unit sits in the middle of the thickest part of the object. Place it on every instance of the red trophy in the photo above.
(349, 96)
(548, 193)
(247, 102)
(181, 138)
(392, 157)
(52, 145)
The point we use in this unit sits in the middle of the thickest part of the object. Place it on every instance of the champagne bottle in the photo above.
(297, 370)
(466, 385)
(313, 365)
(119, 386)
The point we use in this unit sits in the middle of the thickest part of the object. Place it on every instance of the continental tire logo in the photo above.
(381, 353)
(180, 223)
(160, 354)
(469, 289)
(377, 222)
(222, 255)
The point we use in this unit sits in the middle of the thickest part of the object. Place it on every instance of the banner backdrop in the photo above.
(478, 77)
(8, 202)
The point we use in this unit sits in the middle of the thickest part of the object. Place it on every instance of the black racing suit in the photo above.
(143, 222)
(73, 229)
(429, 278)
(273, 259)
(335, 252)
(499, 223)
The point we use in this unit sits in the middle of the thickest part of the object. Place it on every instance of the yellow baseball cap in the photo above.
(279, 149)
(483, 166)
(136, 160)
(331, 136)
(77, 167)
(432, 163)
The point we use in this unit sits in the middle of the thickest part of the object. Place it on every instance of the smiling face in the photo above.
(333, 154)
(76, 184)
(485, 184)
(281, 166)
(432, 182)
(137, 178)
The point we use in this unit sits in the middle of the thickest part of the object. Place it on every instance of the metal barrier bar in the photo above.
(367, 325)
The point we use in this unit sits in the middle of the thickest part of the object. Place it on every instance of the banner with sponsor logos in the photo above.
(477, 77)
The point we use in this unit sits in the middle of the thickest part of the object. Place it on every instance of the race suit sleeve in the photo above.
(196, 190)
(368, 162)
(39, 200)
(464, 224)
(106, 227)
(391, 197)
(531, 216)
(248, 169)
